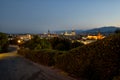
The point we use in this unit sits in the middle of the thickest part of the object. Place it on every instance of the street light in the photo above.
(19, 41)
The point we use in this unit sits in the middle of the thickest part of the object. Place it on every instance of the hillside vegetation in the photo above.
(96, 61)
(3, 42)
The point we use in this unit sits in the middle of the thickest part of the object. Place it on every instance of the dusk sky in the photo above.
(37, 16)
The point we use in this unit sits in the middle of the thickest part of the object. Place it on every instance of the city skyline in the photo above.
(38, 16)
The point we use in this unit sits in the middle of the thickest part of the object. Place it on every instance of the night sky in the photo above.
(37, 16)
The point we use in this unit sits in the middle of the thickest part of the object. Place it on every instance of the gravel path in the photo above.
(15, 67)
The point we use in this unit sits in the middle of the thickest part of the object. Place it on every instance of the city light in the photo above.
(19, 41)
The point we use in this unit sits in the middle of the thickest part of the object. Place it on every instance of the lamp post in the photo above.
(19, 42)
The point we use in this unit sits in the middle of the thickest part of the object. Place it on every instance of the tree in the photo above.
(77, 44)
(117, 31)
(3, 42)
(37, 43)
(96, 61)
(61, 44)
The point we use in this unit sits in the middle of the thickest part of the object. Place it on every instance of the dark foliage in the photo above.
(13, 42)
(96, 61)
(44, 56)
(61, 44)
(3, 42)
(76, 44)
(36, 43)
(117, 31)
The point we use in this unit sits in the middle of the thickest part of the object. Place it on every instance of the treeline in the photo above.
(3, 42)
(96, 61)
(61, 44)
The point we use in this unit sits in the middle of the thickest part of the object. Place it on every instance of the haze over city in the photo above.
(37, 16)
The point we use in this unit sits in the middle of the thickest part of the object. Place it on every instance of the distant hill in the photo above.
(104, 30)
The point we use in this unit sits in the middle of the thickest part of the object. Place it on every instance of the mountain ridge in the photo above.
(103, 30)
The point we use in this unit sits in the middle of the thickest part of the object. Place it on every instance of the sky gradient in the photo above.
(37, 16)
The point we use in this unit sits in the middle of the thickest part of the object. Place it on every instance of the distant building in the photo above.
(51, 34)
(25, 37)
(99, 36)
(72, 33)
(88, 41)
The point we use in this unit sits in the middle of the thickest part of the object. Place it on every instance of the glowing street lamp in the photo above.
(19, 41)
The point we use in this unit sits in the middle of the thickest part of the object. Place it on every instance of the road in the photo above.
(15, 67)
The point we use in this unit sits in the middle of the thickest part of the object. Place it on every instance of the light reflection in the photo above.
(6, 55)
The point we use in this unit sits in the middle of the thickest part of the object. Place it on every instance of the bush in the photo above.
(36, 43)
(61, 44)
(117, 31)
(77, 44)
(116, 78)
(95, 61)
(45, 57)
(3, 42)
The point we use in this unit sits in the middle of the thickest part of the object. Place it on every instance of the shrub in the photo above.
(77, 44)
(3, 42)
(45, 57)
(61, 44)
(96, 61)
(36, 43)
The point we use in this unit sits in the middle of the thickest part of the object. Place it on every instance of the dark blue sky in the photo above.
(36, 16)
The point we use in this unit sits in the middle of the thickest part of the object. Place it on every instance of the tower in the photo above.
(73, 32)
(49, 33)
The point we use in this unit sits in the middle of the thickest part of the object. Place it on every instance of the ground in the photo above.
(15, 67)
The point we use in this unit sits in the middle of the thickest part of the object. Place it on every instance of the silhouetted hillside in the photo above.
(96, 61)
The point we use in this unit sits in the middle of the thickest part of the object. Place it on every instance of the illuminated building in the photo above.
(25, 37)
(99, 36)
(73, 33)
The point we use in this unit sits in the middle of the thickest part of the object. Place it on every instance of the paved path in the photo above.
(14, 67)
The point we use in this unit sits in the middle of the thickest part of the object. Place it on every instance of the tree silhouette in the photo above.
(3, 42)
